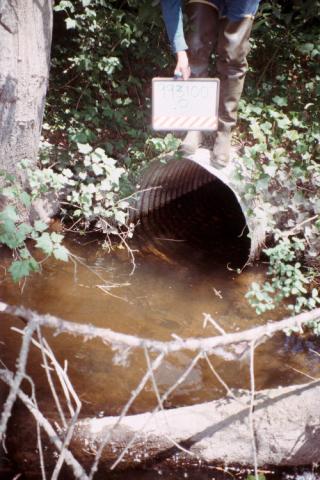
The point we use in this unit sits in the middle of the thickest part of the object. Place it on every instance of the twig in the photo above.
(67, 387)
(303, 373)
(50, 380)
(314, 351)
(156, 364)
(78, 470)
(208, 319)
(223, 383)
(160, 403)
(251, 411)
(39, 441)
(164, 397)
(104, 288)
(65, 383)
(14, 388)
(269, 62)
(299, 225)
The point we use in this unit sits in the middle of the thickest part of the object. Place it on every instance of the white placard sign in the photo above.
(185, 104)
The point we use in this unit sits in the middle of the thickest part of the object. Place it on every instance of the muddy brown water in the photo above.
(168, 293)
(160, 299)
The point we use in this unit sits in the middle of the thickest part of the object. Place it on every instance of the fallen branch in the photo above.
(205, 344)
(286, 429)
(7, 377)
(15, 384)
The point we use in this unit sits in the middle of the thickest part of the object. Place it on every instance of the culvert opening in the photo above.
(184, 206)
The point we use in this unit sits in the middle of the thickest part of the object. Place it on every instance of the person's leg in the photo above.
(201, 39)
(232, 49)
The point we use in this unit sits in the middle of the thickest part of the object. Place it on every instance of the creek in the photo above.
(167, 294)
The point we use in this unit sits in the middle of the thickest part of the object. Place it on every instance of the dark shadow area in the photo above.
(207, 223)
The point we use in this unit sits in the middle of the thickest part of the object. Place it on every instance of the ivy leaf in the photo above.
(263, 183)
(63, 5)
(67, 172)
(270, 170)
(97, 169)
(70, 23)
(280, 101)
(292, 135)
(306, 48)
(84, 148)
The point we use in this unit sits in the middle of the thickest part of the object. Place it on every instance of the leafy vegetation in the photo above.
(102, 66)
(20, 236)
(88, 182)
(280, 133)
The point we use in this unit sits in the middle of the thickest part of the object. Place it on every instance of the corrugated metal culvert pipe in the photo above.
(186, 200)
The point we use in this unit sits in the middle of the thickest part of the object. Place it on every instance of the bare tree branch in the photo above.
(79, 473)
(14, 387)
(156, 364)
(206, 344)
(251, 410)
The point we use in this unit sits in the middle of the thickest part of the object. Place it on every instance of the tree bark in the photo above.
(286, 425)
(25, 43)
(286, 433)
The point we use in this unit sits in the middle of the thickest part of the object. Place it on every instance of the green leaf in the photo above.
(67, 172)
(61, 253)
(306, 48)
(270, 170)
(10, 212)
(56, 237)
(261, 476)
(70, 23)
(292, 135)
(45, 243)
(97, 169)
(63, 5)
(263, 183)
(22, 268)
(84, 148)
(23, 231)
(40, 226)
(280, 101)
(25, 199)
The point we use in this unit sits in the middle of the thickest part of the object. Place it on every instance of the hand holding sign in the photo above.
(182, 68)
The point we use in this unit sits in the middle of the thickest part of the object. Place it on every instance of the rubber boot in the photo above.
(191, 142)
(201, 39)
(232, 50)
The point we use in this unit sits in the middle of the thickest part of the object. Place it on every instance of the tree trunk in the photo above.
(286, 431)
(286, 426)
(25, 42)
